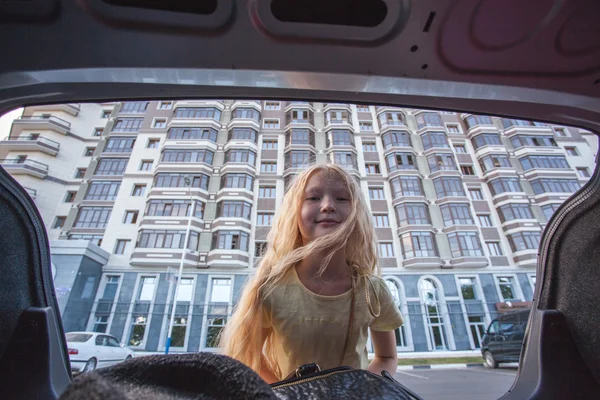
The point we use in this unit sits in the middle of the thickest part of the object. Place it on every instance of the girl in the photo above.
(316, 290)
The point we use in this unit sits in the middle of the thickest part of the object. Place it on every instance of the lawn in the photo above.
(444, 360)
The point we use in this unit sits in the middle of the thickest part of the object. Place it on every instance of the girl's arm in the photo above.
(386, 356)
(265, 373)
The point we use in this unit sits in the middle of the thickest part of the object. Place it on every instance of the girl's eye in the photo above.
(312, 198)
(342, 199)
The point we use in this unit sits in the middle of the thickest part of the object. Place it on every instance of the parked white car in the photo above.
(91, 350)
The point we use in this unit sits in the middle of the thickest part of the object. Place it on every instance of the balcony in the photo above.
(37, 123)
(71, 109)
(31, 143)
(19, 166)
(299, 104)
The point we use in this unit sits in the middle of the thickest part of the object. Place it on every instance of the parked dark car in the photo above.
(503, 339)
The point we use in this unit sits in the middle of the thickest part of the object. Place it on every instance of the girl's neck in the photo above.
(337, 269)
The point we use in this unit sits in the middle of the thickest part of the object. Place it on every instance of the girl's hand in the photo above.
(386, 355)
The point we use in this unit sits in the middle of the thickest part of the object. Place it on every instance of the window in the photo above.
(505, 185)
(560, 132)
(299, 159)
(193, 134)
(146, 165)
(337, 117)
(119, 145)
(459, 148)
(477, 327)
(360, 108)
(365, 126)
(101, 323)
(218, 310)
(381, 220)
(89, 151)
(111, 166)
(418, 244)
(429, 119)
(272, 105)
(434, 139)
(300, 136)
(59, 222)
(138, 190)
(484, 220)
(260, 248)
(264, 219)
(583, 172)
(345, 159)
(572, 151)
(441, 162)
(103, 190)
(80, 173)
(549, 209)
(130, 217)
(340, 137)
(173, 208)
(511, 211)
(475, 194)
(165, 105)
(197, 113)
(105, 114)
(475, 120)
(178, 180)
(456, 214)
(234, 209)
(160, 123)
(448, 186)
(70, 196)
(400, 161)
(271, 124)
(406, 186)
(467, 170)
(239, 156)
(391, 118)
(269, 144)
(134, 107)
(399, 301)
(93, 217)
(467, 288)
(267, 192)
(246, 113)
(486, 139)
(121, 246)
(237, 181)
(453, 128)
(494, 248)
(128, 125)
(138, 330)
(188, 156)
(412, 214)
(372, 169)
(492, 161)
(96, 239)
(508, 123)
(526, 240)
(506, 285)
(531, 162)
(153, 143)
(369, 146)
(465, 244)
(396, 138)
(436, 326)
(231, 240)
(299, 116)
(533, 141)
(166, 239)
(385, 250)
(98, 132)
(268, 166)
(546, 185)
(376, 193)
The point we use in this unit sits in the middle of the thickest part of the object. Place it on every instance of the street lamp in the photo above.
(188, 183)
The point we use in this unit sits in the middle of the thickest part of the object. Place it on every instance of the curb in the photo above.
(437, 366)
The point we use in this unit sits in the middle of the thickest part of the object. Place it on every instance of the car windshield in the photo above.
(78, 337)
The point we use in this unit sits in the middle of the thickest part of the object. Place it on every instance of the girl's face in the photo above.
(325, 205)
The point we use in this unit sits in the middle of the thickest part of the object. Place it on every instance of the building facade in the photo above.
(459, 203)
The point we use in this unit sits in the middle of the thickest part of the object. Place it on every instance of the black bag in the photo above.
(310, 382)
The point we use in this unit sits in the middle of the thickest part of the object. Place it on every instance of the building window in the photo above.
(413, 214)
(96, 239)
(533, 141)
(549, 209)
(475, 194)
(130, 217)
(209, 134)
(400, 161)
(101, 323)
(434, 139)
(340, 137)
(246, 113)
(505, 185)
(184, 296)
(484, 220)
(260, 248)
(269, 144)
(268, 166)
(486, 139)
(406, 186)
(365, 126)
(467, 170)
(385, 250)
(153, 143)
(391, 118)
(89, 151)
(121, 246)
(467, 288)
(477, 327)
(456, 214)
(80, 173)
(369, 146)
(300, 136)
(431, 119)
(264, 219)
(560, 132)
(475, 120)
(160, 123)
(188, 156)
(494, 248)
(345, 159)
(146, 165)
(360, 108)
(98, 132)
(234, 209)
(93, 217)
(509, 123)
(70, 196)
(465, 244)
(337, 117)
(103, 190)
(396, 139)
(299, 116)
(583, 172)
(299, 159)
(448, 186)
(267, 192)
(381, 220)
(418, 244)
(545, 185)
(197, 113)
(166, 239)
(436, 327)
(139, 319)
(230, 240)
(128, 125)
(271, 124)
(165, 105)
(372, 169)
(511, 211)
(134, 107)
(59, 222)
(572, 151)
(272, 105)
(240, 156)
(138, 190)
(218, 310)
(459, 148)
(441, 162)
(237, 181)
(453, 128)
(119, 145)
(492, 161)
(173, 208)
(111, 166)
(178, 180)
(506, 284)
(399, 302)
(526, 240)
(376, 193)
(531, 162)
(105, 114)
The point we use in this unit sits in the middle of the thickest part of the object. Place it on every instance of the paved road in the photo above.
(477, 383)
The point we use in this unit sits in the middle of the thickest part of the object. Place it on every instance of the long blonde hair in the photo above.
(242, 336)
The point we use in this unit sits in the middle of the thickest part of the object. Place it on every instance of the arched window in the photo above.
(434, 317)
(400, 333)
